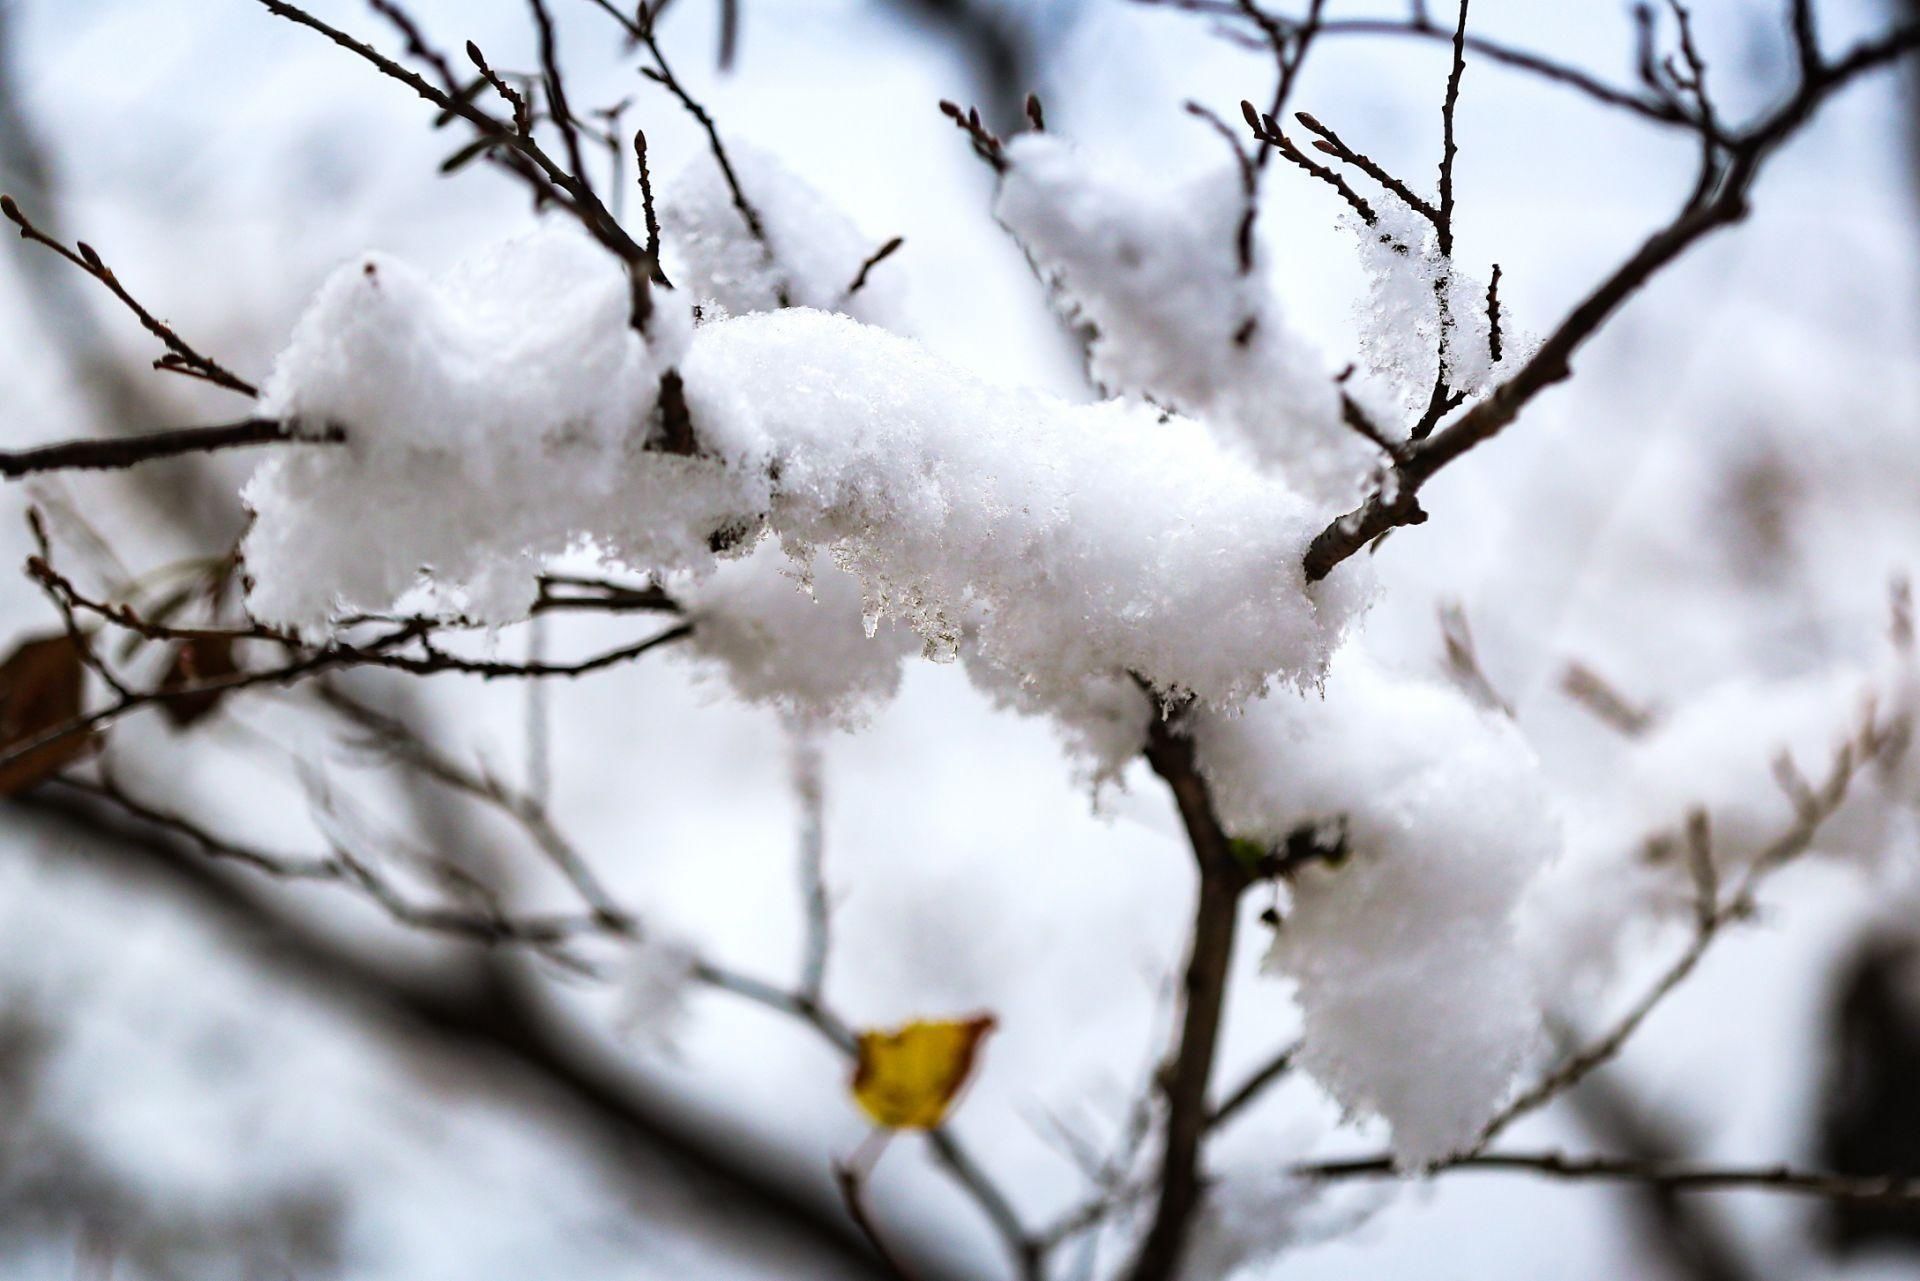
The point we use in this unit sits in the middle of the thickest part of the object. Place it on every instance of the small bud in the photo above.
(93, 259)
(1034, 114)
(12, 211)
(1251, 114)
(473, 52)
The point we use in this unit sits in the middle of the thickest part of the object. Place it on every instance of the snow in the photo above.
(1403, 329)
(790, 636)
(1621, 559)
(1061, 541)
(1153, 272)
(474, 403)
(1415, 995)
(811, 255)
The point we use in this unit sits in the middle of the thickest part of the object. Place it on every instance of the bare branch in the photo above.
(851, 1182)
(647, 210)
(1449, 148)
(1599, 696)
(181, 358)
(1329, 142)
(661, 73)
(580, 201)
(130, 451)
(1267, 130)
(818, 934)
(986, 144)
(1654, 110)
(1210, 952)
(1711, 918)
(1674, 1176)
(1250, 1090)
(1463, 659)
(1731, 174)
(1249, 184)
(873, 260)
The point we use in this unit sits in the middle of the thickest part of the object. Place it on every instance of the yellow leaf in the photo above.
(906, 1079)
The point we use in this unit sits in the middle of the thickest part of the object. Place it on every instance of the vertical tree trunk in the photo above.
(1209, 959)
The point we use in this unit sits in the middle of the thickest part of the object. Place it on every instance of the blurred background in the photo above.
(206, 1074)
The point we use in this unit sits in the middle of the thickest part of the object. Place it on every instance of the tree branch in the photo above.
(130, 451)
(1210, 953)
(1721, 200)
(1676, 1176)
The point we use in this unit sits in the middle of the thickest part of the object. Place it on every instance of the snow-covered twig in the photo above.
(1720, 199)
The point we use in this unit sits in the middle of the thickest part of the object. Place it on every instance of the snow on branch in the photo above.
(499, 416)
(1177, 319)
(1402, 944)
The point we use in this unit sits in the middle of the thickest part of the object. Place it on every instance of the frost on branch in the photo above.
(810, 256)
(1421, 309)
(1156, 273)
(500, 417)
(1416, 998)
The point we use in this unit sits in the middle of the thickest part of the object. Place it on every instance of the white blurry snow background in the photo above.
(1723, 491)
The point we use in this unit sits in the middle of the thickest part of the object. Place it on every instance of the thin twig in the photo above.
(1267, 130)
(181, 358)
(1728, 175)
(1654, 110)
(118, 452)
(1711, 918)
(661, 73)
(1896, 1189)
(818, 907)
(873, 260)
(1449, 148)
(1330, 143)
(1250, 1090)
